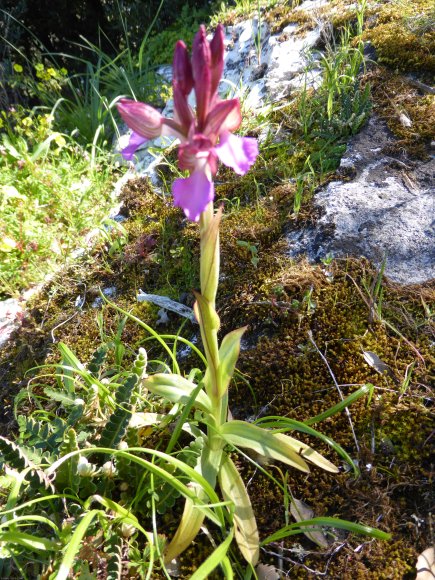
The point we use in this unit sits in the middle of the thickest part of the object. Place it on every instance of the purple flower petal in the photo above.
(193, 194)
(239, 153)
(135, 142)
(182, 69)
(140, 117)
(217, 49)
(201, 61)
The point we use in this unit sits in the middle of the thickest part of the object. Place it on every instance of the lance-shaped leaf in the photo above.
(307, 452)
(177, 390)
(245, 525)
(242, 434)
(190, 524)
(218, 556)
(228, 355)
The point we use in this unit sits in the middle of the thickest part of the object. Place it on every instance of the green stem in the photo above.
(209, 276)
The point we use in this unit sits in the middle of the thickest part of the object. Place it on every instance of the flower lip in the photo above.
(193, 194)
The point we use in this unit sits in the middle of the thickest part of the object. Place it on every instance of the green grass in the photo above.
(50, 198)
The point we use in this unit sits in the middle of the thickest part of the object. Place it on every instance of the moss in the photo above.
(395, 96)
(403, 36)
(282, 15)
(287, 377)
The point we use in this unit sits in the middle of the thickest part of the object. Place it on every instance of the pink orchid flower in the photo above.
(206, 135)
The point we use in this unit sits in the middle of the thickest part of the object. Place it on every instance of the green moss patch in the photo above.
(402, 33)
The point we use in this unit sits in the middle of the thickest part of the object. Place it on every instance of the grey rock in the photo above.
(10, 310)
(386, 210)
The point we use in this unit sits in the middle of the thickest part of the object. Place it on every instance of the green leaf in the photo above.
(188, 528)
(29, 542)
(209, 324)
(299, 527)
(98, 358)
(116, 426)
(74, 544)
(213, 561)
(245, 525)
(242, 434)
(60, 397)
(275, 422)
(209, 266)
(66, 474)
(43, 148)
(177, 390)
(307, 452)
(368, 388)
(113, 547)
(228, 355)
(18, 458)
(9, 147)
(123, 514)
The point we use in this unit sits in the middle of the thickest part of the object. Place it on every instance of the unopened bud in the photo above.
(108, 469)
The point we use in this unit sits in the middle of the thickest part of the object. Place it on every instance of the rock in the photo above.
(385, 210)
(10, 311)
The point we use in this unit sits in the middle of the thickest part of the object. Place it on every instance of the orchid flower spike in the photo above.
(205, 135)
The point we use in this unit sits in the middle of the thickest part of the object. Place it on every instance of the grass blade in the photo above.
(213, 560)
(297, 528)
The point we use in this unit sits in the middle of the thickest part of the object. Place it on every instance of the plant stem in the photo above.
(209, 276)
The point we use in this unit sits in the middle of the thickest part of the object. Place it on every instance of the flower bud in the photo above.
(84, 468)
(108, 470)
(143, 119)
(127, 530)
(182, 69)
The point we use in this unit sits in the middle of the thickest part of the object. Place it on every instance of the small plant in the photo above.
(208, 394)
(252, 248)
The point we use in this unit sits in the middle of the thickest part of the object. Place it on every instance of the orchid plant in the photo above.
(206, 135)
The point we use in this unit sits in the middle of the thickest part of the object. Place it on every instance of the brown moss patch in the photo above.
(396, 99)
(282, 15)
(288, 377)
